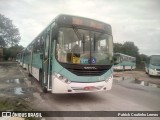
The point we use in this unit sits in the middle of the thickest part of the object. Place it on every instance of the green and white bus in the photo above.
(72, 55)
(124, 62)
(20, 58)
(152, 65)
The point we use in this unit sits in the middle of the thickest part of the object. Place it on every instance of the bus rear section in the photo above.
(72, 55)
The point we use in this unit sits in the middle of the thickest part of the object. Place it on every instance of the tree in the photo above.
(12, 52)
(143, 57)
(127, 48)
(131, 49)
(2, 42)
(9, 34)
(117, 47)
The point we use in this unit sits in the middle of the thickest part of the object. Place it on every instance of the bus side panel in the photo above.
(36, 65)
(118, 67)
(35, 72)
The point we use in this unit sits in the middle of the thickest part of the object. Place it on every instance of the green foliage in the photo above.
(15, 104)
(129, 48)
(12, 52)
(143, 57)
(9, 34)
(9, 38)
(142, 60)
(2, 42)
(118, 48)
(6, 53)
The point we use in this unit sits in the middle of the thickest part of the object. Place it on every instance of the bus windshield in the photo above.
(78, 46)
(155, 60)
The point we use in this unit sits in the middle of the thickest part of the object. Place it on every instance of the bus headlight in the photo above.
(109, 78)
(62, 78)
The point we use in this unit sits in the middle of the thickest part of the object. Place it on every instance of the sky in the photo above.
(137, 21)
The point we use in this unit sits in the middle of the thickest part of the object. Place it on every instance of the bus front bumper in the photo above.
(154, 72)
(75, 87)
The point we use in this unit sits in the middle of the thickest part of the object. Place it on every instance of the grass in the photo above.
(15, 104)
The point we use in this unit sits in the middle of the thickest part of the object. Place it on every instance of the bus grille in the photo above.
(83, 72)
(87, 70)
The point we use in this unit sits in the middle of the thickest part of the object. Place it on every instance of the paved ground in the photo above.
(126, 95)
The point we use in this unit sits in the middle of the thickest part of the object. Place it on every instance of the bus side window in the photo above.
(36, 46)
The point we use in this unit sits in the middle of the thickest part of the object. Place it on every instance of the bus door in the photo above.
(30, 62)
(46, 60)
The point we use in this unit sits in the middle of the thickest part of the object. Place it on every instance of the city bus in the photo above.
(20, 58)
(124, 62)
(72, 55)
(152, 65)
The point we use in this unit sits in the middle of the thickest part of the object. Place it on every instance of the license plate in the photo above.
(88, 87)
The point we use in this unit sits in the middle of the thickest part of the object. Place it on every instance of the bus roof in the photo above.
(155, 56)
(64, 19)
(123, 55)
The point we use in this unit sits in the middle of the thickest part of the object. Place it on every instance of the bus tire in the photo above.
(40, 77)
(29, 74)
(149, 74)
(44, 89)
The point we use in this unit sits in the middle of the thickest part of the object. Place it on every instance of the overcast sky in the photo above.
(131, 20)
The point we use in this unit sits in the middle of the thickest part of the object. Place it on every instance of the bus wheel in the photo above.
(40, 77)
(149, 74)
(29, 74)
(44, 89)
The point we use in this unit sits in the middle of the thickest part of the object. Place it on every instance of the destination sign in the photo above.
(88, 22)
